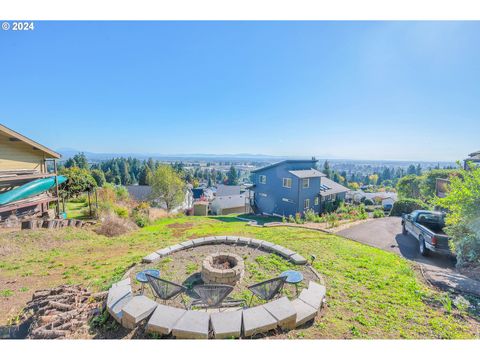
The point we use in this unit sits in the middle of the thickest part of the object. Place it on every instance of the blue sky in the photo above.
(356, 90)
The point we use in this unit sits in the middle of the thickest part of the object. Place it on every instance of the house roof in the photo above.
(15, 136)
(139, 192)
(475, 157)
(303, 174)
(225, 190)
(228, 202)
(283, 162)
(329, 187)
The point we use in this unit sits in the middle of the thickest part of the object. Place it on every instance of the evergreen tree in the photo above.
(326, 169)
(232, 176)
(411, 170)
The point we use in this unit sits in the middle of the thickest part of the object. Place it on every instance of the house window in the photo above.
(306, 183)
(262, 179)
(287, 182)
(306, 203)
(316, 200)
(287, 200)
(262, 194)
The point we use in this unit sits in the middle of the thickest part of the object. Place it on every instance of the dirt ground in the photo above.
(184, 267)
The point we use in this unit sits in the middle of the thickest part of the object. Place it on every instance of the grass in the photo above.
(370, 293)
(76, 210)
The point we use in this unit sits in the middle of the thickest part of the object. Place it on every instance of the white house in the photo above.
(230, 204)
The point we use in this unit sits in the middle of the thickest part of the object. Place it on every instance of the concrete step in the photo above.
(283, 311)
(164, 319)
(227, 324)
(139, 308)
(257, 320)
(192, 325)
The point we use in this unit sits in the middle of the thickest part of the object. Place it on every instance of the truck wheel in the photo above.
(423, 249)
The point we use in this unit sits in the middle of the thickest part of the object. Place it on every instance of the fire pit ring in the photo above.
(222, 268)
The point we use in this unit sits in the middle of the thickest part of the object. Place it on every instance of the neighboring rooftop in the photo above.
(14, 136)
(225, 190)
(285, 162)
(302, 174)
(331, 187)
(475, 156)
(139, 192)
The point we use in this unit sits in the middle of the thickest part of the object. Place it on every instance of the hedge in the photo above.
(406, 206)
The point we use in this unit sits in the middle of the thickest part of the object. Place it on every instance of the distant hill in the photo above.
(67, 153)
(96, 157)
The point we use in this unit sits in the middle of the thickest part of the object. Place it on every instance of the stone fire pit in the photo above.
(222, 268)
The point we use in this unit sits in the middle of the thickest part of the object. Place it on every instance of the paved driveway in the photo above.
(386, 234)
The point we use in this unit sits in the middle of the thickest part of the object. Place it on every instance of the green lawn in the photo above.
(370, 293)
(76, 210)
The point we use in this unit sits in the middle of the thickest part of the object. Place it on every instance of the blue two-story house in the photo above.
(293, 186)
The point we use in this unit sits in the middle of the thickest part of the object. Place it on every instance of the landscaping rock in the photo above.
(282, 310)
(280, 250)
(267, 246)
(298, 259)
(124, 282)
(164, 319)
(137, 309)
(255, 243)
(312, 285)
(227, 324)
(304, 312)
(204, 241)
(257, 320)
(175, 248)
(313, 296)
(116, 309)
(192, 325)
(243, 241)
(116, 293)
(187, 244)
(220, 239)
(153, 257)
(163, 252)
(231, 240)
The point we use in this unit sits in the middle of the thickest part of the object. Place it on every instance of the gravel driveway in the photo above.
(386, 234)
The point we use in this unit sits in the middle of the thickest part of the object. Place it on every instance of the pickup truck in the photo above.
(427, 228)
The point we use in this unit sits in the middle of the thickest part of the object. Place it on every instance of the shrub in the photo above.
(332, 219)
(122, 193)
(298, 218)
(463, 219)
(141, 220)
(121, 211)
(368, 201)
(79, 199)
(291, 219)
(113, 225)
(406, 206)
(310, 215)
(378, 213)
(284, 219)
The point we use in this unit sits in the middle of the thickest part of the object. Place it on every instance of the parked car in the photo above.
(427, 228)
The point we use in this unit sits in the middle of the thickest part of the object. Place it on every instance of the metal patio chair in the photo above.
(214, 295)
(268, 289)
(164, 289)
